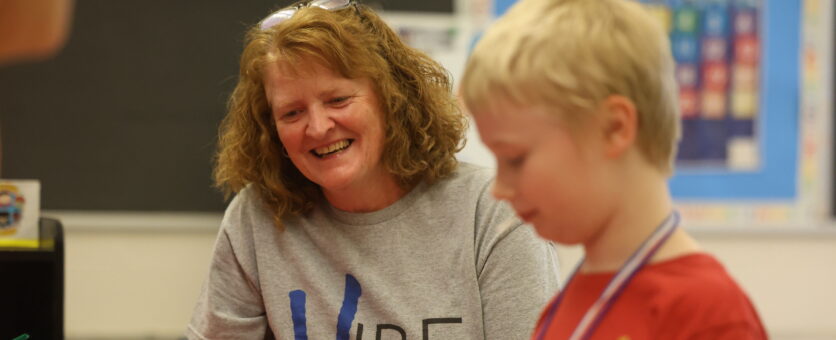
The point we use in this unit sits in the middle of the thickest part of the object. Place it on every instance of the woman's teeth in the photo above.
(327, 150)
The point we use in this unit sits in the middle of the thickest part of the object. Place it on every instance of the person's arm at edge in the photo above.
(33, 29)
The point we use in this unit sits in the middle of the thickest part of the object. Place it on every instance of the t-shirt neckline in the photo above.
(375, 217)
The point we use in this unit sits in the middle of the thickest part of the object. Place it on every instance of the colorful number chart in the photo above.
(738, 69)
(738, 72)
(716, 45)
(752, 152)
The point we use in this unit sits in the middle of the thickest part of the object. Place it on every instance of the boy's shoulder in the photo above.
(696, 292)
(696, 278)
(687, 297)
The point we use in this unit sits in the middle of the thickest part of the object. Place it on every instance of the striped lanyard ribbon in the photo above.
(596, 312)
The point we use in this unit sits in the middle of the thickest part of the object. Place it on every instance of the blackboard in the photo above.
(126, 116)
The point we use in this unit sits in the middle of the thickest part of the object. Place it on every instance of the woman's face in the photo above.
(331, 127)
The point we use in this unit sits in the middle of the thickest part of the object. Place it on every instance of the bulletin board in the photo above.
(738, 82)
(763, 162)
(755, 105)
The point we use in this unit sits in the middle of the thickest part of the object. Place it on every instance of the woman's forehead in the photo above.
(297, 69)
(297, 66)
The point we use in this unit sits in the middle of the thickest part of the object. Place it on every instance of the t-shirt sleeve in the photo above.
(517, 272)
(230, 304)
(709, 306)
(733, 318)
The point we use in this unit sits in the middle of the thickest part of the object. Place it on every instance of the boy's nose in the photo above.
(319, 123)
(502, 191)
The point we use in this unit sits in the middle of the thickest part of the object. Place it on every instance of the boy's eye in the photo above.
(515, 162)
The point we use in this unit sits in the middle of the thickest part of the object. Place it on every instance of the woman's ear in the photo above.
(619, 124)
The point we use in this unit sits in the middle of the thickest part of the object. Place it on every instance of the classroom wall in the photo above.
(141, 278)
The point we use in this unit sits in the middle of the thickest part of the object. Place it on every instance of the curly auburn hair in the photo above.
(423, 124)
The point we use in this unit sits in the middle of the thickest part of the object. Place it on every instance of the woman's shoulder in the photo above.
(243, 199)
(464, 192)
(468, 177)
(473, 170)
(245, 210)
(478, 180)
(493, 219)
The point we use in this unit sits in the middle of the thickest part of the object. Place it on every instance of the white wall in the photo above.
(134, 275)
(132, 284)
(141, 279)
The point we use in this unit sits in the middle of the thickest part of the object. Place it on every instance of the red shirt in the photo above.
(689, 297)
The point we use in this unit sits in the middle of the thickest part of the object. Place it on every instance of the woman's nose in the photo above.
(319, 123)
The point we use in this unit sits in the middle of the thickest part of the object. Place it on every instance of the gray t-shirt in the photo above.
(446, 261)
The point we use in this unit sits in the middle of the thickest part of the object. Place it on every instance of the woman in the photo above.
(352, 216)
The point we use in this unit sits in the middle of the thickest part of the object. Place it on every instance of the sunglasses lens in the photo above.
(280, 16)
(276, 18)
(330, 4)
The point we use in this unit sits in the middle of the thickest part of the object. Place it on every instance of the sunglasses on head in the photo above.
(283, 14)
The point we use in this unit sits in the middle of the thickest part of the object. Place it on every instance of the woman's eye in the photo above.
(289, 115)
(338, 100)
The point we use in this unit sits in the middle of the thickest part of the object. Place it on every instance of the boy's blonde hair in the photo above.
(573, 54)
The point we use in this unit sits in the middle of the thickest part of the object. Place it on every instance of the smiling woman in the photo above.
(332, 130)
(327, 51)
(351, 213)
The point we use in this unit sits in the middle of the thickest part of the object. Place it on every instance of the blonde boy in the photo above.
(577, 100)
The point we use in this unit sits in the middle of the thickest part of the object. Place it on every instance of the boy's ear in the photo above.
(620, 123)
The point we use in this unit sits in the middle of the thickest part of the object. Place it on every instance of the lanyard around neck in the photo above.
(596, 312)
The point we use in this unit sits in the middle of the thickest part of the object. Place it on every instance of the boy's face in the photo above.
(548, 170)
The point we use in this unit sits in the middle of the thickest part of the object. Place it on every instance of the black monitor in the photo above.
(32, 287)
